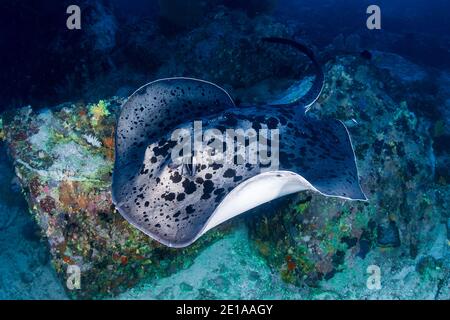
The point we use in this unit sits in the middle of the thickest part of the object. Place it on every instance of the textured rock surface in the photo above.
(232, 268)
(228, 269)
(63, 158)
(311, 238)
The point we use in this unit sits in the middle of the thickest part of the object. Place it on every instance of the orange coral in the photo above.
(71, 197)
(67, 260)
(108, 142)
(291, 265)
(65, 193)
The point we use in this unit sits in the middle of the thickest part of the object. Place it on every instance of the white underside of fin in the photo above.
(255, 191)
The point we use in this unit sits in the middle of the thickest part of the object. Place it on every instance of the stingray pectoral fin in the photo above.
(176, 204)
(263, 188)
(255, 191)
(156, 109)
(159, 106)
(341, 182)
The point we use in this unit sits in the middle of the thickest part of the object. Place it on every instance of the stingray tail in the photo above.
(315, 89)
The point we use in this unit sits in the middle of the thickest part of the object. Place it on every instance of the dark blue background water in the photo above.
(31, 68)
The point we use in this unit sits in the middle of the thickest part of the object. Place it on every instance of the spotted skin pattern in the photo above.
(173, 202)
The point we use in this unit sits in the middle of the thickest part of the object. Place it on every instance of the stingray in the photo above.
(176, 202)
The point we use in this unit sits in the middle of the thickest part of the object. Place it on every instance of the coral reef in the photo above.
(311, 239)
(232, 268)
(63, 158)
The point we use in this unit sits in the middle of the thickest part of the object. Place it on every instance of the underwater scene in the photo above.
(225, 150)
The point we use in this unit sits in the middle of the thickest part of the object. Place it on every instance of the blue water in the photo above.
(417, 29)
(25, 266)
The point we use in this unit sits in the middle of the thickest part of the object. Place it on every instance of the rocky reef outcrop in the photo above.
(310, 238)
(63, 158)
